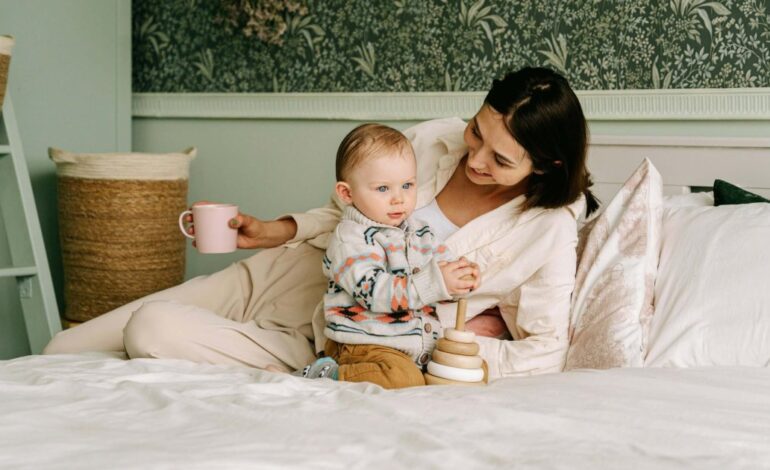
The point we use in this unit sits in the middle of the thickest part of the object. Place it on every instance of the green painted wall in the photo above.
(268, 168)
(70, 83)
(271, 167)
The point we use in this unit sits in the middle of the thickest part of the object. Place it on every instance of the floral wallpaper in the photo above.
(445, 45)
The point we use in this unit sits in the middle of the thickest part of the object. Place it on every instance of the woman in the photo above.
(506, 188)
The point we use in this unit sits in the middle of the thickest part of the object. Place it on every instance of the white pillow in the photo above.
(618, 258)
(712, 293)
(689, 199)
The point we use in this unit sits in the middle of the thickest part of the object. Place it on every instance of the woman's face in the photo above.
(494, 156)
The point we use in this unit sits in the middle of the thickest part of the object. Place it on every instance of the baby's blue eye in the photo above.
(407, 185)
(382, 189)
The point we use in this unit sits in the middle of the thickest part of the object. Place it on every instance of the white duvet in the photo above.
(99, 411)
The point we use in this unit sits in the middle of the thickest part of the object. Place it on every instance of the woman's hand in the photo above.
(251, 231)
(487, 323)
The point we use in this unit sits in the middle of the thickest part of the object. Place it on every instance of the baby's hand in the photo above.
(461, 276)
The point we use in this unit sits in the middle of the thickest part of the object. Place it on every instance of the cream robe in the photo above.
(527, 260)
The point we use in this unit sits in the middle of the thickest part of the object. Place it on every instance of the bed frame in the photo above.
(687, 164)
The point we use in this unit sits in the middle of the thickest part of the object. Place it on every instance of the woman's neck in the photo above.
(492, 192)
(462, 200)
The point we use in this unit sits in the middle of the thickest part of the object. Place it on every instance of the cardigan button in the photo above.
(415, 270)
(428, 327)
(424, 358)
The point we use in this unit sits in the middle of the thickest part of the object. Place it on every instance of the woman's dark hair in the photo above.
(544, 116)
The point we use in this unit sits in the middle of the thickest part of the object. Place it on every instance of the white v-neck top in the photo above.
(439, 223)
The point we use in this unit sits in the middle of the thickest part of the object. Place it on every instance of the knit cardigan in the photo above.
(527, 259)
(384, 283)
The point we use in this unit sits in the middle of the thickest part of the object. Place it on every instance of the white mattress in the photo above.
(98, 411)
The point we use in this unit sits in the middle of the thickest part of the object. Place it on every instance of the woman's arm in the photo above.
(319, 221)
(255, 233)
(539, 318)
(297, 227)
(302, 226)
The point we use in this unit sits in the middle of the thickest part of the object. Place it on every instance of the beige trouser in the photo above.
(256, 312)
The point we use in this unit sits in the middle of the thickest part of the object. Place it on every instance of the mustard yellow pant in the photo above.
(381, 365)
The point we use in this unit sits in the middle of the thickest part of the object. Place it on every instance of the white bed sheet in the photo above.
(99, 411)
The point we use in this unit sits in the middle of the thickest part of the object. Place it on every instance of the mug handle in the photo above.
(182, 227)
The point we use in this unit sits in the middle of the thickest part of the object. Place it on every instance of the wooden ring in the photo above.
(465, 349)
(459, 336)
(453, 373)
(433, 380)
(456, 360)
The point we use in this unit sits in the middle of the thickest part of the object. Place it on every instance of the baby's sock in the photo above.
(323, 367)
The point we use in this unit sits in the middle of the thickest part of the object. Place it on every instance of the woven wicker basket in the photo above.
(6, 44)
(118, 227)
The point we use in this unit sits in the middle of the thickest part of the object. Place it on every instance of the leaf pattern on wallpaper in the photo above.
(445, 45)
(698, 10)
(556, 54)
(479, 18)
(150, 32)
(366, 59)
(205, 64)
(305, 28)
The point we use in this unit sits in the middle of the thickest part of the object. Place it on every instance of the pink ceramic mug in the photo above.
(213, 233)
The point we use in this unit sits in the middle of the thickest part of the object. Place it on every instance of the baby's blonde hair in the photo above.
(365, 141)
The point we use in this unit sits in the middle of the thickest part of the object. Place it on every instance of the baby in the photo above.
(386, 273)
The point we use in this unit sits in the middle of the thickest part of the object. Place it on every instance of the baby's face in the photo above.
(384, 188)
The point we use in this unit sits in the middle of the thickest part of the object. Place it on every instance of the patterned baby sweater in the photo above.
(384, 282)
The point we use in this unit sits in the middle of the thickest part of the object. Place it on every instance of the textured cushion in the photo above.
(618, 256)
(726, 193)
(712, 302)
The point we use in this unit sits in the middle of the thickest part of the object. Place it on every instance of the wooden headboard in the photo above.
(684, 162)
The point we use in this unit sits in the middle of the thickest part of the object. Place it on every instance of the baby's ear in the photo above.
(344, 192)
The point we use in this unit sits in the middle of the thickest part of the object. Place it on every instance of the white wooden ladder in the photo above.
(29, 264)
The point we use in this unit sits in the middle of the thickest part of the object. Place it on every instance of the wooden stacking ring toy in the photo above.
(455, 373)
(456, 360)
(433, 380)
(459, 336)
(465, 349)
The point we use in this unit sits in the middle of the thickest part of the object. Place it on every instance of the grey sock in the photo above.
(323, 367)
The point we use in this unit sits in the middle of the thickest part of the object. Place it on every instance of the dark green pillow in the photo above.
(726, 193)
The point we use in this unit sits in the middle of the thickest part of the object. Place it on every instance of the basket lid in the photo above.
(6, 44)
(124, 166)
